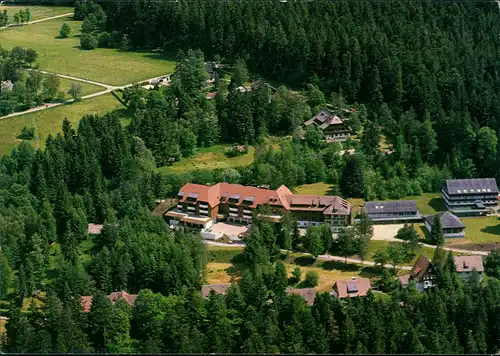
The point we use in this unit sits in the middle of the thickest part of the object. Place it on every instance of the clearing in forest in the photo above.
(328, 271)
(210, 158)
(64, 56)
(49, 121)
(319, 188)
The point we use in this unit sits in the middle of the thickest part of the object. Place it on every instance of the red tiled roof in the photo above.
(420, 267)
(221, 192)
(404, 280)
(113, 297)
(86, 303)
(469, 263)
(220, 288)
(328, 204)
(94, 229)
(358, 287)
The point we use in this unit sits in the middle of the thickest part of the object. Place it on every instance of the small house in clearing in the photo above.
(465, 265)
(452, 226)
(350, 288)
(333, 127)
(422, 273)
(113, 298)
(424, 276)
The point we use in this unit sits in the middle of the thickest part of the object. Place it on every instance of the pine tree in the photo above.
(352, 180)
(436, 236)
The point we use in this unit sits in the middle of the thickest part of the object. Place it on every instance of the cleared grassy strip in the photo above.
(314, 189)
(49, 121)
(64, 56)
(210, 158)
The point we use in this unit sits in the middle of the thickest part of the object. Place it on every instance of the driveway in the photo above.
(386, 232)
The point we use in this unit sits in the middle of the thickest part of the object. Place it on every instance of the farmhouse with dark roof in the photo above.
(333, 126)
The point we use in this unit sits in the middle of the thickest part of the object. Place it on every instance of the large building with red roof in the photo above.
(202, 205)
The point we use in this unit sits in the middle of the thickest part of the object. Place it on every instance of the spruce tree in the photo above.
(436, 236)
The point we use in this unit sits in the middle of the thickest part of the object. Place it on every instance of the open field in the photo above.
(37, 12)
(64, 56)
(210, 158)
(86, 88)
(49, 121)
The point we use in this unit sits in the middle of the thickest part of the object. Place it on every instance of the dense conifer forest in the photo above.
(423, 75)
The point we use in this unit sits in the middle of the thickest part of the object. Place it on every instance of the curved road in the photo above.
(321, 257)
(107, 89)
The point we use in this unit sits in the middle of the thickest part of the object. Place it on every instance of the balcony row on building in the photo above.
(202, 206)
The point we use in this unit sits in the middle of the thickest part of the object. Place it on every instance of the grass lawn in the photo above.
(210, 158)
(223, 267)
(49, 121)
(314, 189)
(64, 56)
(380, 244)
(482, 229)
(87, 89)
(428, 203)
(225, 272)
(357, 201)
(37, 12)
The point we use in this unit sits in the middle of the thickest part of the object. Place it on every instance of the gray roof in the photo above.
(448, 220)
(471, 186)
(397, 206)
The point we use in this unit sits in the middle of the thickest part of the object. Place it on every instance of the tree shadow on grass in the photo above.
(304, 261)
(336, 265)
(494, 229)
(437, 204)
(369, 272)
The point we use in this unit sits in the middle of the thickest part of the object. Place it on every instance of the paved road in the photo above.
(37, 21)
(321, 257)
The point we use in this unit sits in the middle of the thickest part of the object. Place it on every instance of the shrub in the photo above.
(312, 279)
(28, 133)
(104, 40)
(65, 30)
(297, 274)
(88, 41)
(236, 150)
